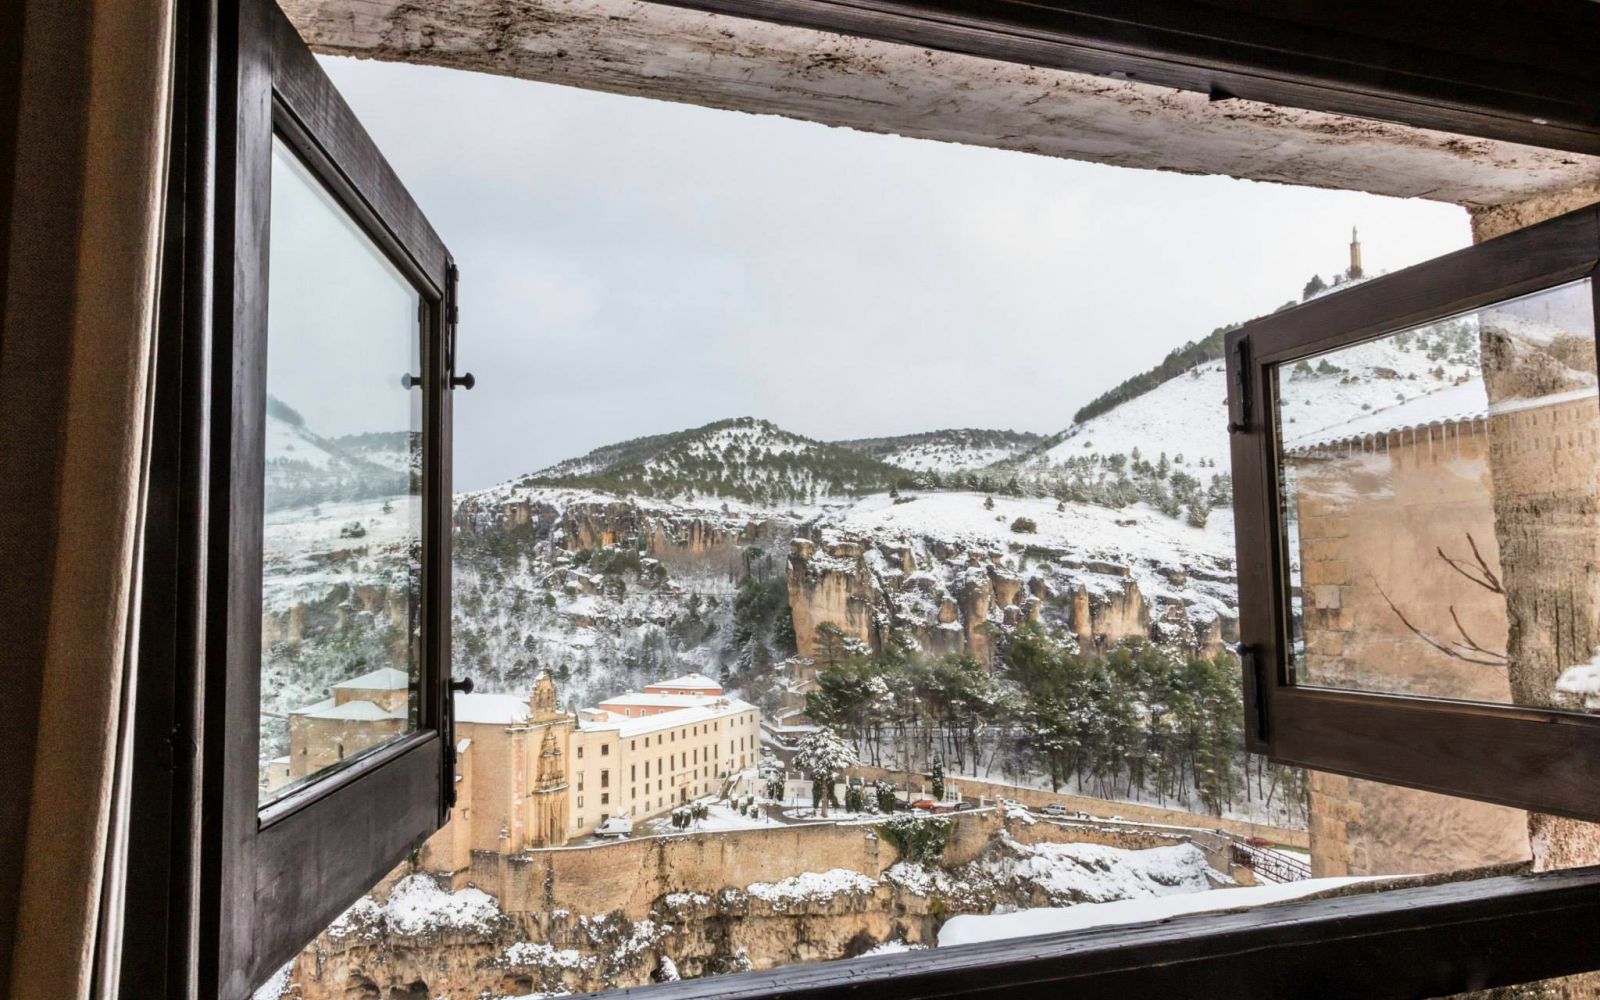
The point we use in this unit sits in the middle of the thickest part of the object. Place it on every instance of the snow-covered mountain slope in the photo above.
(308, 551)
(744, 458)
(947, 450)
(1185, 417)
(304, 468)
(1086, 532)
(957, 571)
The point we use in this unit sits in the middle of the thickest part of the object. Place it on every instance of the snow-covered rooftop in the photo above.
(716, 708)
(1456, 404)
(645, 699)
(354, 710)
(492, 709)
(382, 679)
(688, 682)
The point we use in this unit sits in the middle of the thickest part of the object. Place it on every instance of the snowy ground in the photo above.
(721, 818)
(1089, 531)
(1186, 415)
(297, 541)
(972, 929)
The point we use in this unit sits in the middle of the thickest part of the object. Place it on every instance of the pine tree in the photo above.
(936, 778)
(823, 755)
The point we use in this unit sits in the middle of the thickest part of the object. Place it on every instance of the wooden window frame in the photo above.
(273, 877)
(1365, 59)
(1529, 758)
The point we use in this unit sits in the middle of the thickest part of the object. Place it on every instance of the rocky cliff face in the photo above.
(423, 941)
(947, 595)
(687, 539)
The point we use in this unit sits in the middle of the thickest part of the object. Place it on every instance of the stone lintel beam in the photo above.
(718, 61)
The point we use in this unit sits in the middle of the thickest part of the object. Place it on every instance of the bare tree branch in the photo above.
(1487, 580)
(1452, 649)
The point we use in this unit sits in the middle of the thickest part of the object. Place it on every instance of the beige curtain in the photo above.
(74, 374)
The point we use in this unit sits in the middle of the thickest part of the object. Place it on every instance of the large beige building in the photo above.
(529, 774)
(643, 753)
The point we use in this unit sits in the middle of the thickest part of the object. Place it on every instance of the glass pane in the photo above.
(1426, 475)
(342, 540)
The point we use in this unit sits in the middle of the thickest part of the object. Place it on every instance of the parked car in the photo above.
(926, 805)
(615, 826)
(962, 807)
(1057, 810)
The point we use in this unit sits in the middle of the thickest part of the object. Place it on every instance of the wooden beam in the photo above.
(1476, 67)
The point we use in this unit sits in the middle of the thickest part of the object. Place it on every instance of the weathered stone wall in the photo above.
(1374, 515)
(585, 918)
(1133, 837)
(628, 876)
(1510, 216)
(1371, 828)
(1035, 798)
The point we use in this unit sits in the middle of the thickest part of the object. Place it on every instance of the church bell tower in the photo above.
(1355, 254)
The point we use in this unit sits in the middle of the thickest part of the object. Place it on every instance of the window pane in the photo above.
(1421, 474)
(342, 538)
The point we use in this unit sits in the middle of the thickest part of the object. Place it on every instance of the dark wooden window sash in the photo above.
(1529, 758)
(272, 878)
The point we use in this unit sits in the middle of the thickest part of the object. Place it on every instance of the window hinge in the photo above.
(1241, 360)
(1253, 663)
(452, 311)
(452, 317)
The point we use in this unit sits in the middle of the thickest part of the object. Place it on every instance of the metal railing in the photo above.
(1270, 865)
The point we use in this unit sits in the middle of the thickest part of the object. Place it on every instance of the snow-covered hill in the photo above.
(304, 468)
(945, 451)
(744, 459)
(1184, 419)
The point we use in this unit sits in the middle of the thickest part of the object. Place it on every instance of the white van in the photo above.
(615, 826)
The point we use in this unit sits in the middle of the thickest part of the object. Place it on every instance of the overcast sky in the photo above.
(630, 267)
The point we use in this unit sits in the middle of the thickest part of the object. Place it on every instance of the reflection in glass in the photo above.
(1439, 484)
(342, 533)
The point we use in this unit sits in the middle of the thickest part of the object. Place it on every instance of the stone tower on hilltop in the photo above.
(1355, 255)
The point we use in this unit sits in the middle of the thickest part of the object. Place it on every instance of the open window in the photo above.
(305, 370)
(1418, 562)
(330, 420)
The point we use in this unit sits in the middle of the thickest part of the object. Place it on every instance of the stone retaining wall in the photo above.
(629, 875)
